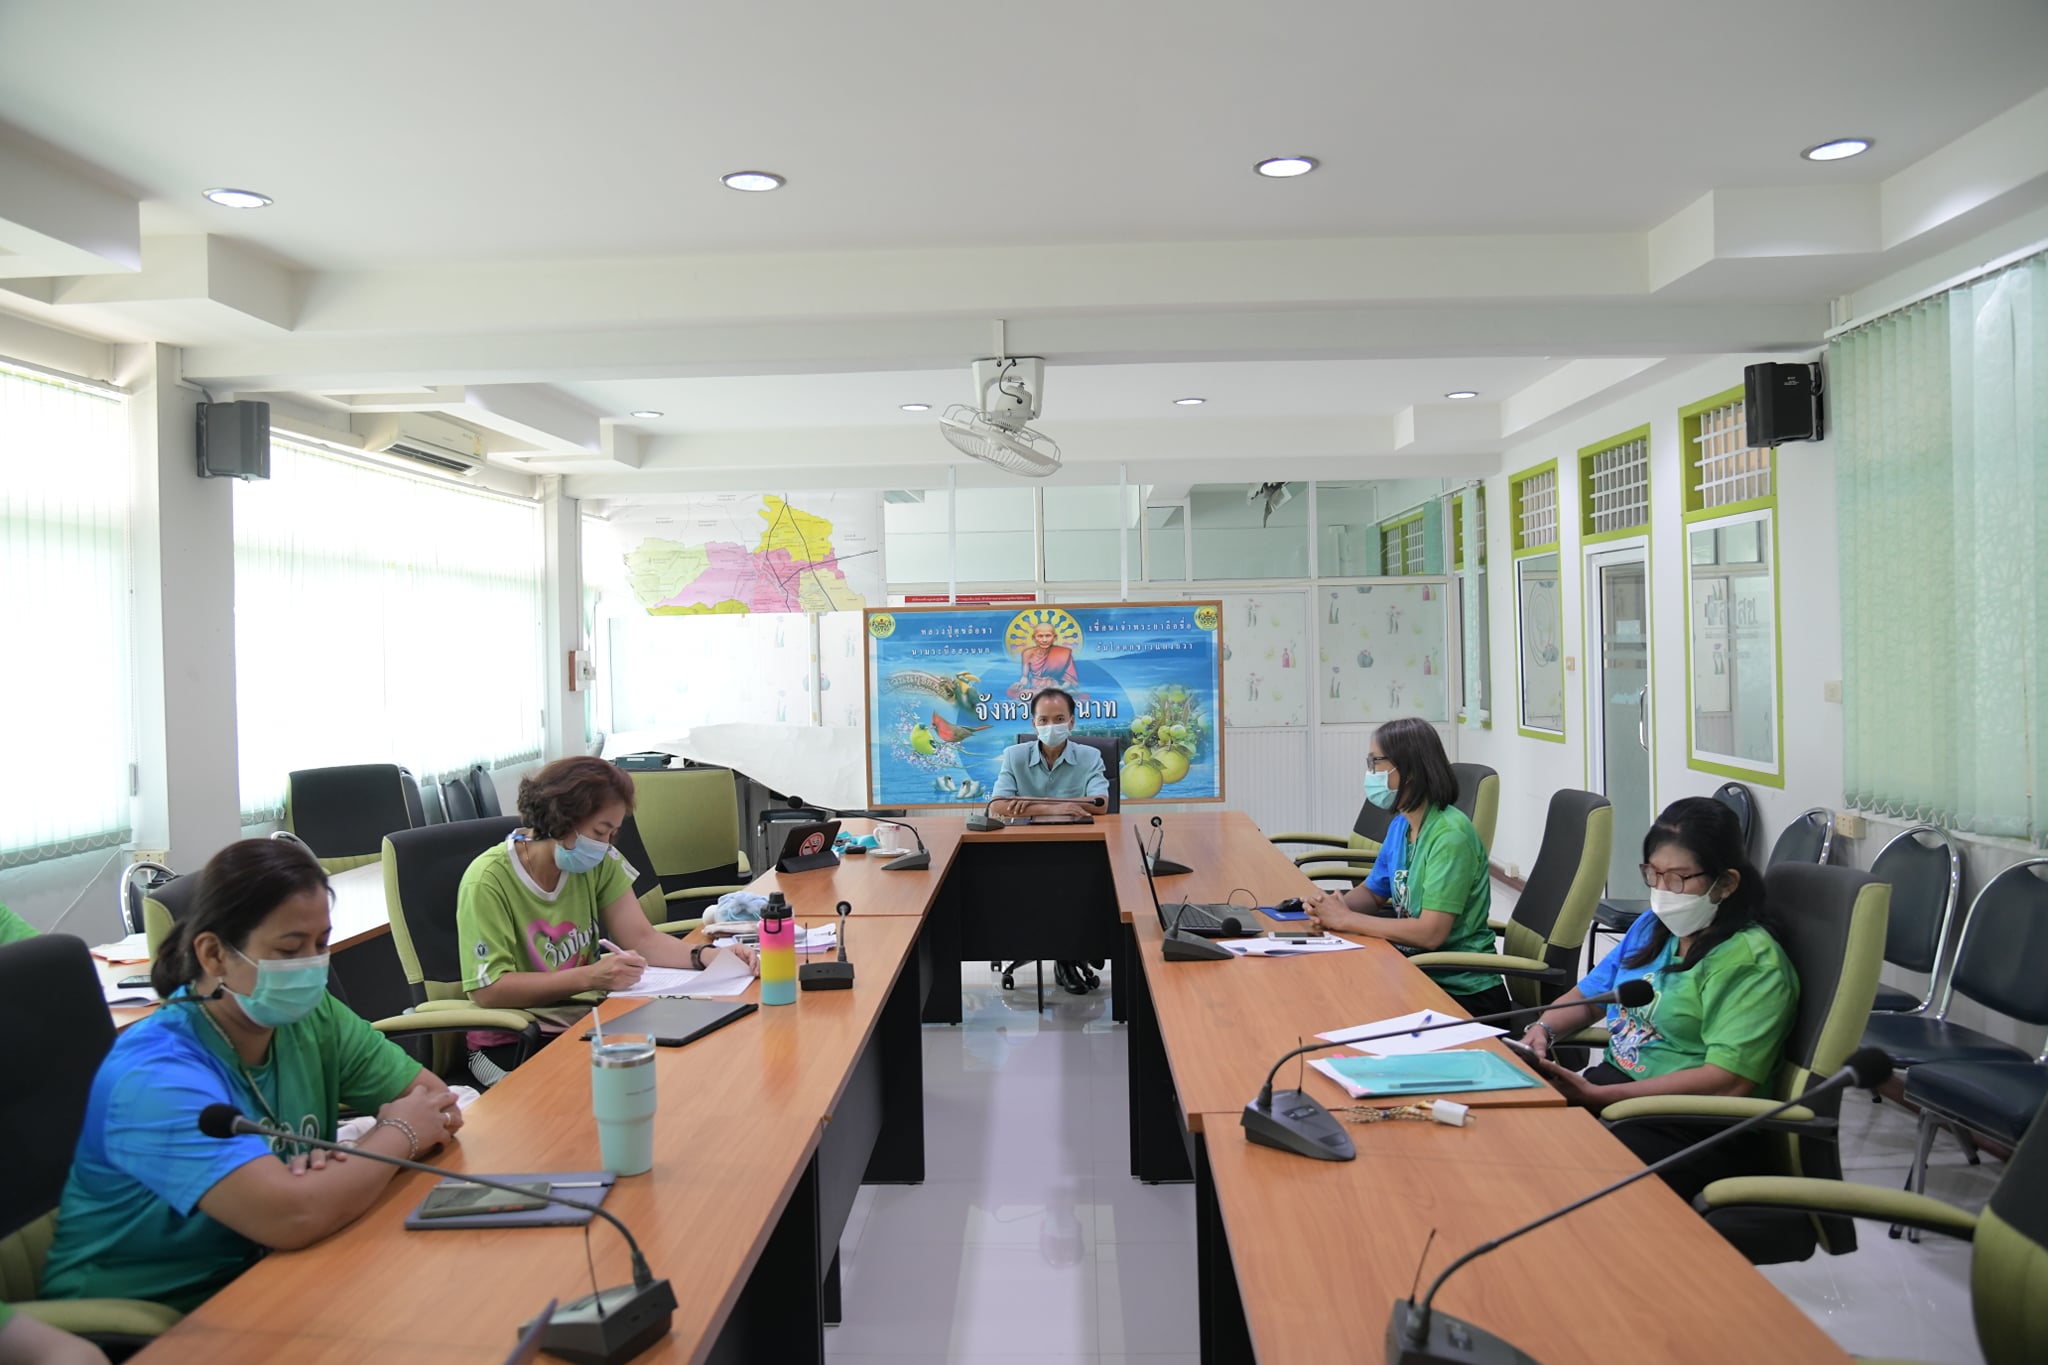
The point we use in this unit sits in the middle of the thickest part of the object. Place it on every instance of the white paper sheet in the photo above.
(1287, 947)
(1410, 1044)
(129, 995)
(725, 974)
(134, 948)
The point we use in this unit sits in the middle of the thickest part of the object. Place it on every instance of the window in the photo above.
(1081, 527)
(996, 531)
(381, 618)
(1249, 530)
(65, 495)
(1533, 495)
(1468, 534)
(1402, 550)
(1614, 484)
(1539, 602)
(1725, 469)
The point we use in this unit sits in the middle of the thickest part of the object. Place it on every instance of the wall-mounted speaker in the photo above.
(234, 440)
(1782, 403)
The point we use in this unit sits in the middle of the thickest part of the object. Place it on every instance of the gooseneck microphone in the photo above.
(605, 1327)
(909, 862)
(1296, 1121)
(982, 822)
(1164, 867)
(1418, 1336)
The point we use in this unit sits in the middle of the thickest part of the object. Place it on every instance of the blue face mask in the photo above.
(287, 989)
(584, 857)
(1378, 792)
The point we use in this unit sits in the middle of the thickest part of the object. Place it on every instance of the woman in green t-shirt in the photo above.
(1725, 993)
(1429, 889)
(534, 912)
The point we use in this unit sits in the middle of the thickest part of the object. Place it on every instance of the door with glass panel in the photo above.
(1618, 628)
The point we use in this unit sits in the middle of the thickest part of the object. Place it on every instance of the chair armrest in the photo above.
(103, 1317)
(1838, 1197)
(1355, 873)
(1353, 857)
(1593, 1035)
(1329, 840)
(1498, 926)
(1714, 1111)
(461, 1018)
(435, 1006)
(1486, 962)
(679, 927)
(688, 893)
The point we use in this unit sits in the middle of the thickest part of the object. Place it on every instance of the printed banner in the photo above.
(950, 688)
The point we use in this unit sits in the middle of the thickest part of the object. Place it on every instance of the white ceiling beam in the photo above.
(1770, 223)
(1439, 426)
(1561, 392)
(1992, 160)
(57, 220)
(230, 284)
(535, 413)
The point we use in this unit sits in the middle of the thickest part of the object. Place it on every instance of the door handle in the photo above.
(1643, 718)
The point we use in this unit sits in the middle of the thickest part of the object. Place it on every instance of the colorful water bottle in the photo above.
(778, 952)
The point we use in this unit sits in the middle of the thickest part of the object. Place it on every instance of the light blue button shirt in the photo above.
(1074, 776)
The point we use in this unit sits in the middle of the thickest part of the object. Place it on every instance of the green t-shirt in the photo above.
(129, 1225)
(506, 923)
(1441, 870)
(13, 928)
(1732, 1010)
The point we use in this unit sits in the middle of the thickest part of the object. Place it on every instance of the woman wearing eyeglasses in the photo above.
(1429, 889)
(1725, 992)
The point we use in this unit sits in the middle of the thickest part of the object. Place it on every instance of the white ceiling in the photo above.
(509, 214)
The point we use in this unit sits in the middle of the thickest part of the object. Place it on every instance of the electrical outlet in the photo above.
(1831, 691)
(1571, 663)
(1848, 824)
(149, 855)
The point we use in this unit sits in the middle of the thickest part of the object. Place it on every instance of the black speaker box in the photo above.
(234, 440)
(1782, 403)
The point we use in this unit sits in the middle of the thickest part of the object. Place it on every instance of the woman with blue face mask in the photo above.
(537, 914)
(1429, 889)
(154, 1209)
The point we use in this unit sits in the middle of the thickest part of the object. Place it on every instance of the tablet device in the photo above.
(673, 1020)
(808, 847)
(460, 1201)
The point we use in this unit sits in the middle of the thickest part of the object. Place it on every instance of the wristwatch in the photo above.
(697, 958)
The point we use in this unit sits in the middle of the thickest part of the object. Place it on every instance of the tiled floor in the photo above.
(1029, 1241)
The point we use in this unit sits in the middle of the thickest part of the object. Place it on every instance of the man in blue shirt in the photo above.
(1048, 776)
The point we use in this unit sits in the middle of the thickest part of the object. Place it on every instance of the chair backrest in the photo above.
(689, 820)
(1925, 872)
(1557, 902)
(1372, 823)
(132, 890)
(1738, 798)
(1111, 747)
(485, 791)
(344, 813)
(2000, 960)
(1479, 798)
(457, 801)
(164, 907)
(415, 807)
(646, 885)
(51, 993)
(1807, 839)
(2009, 1257)
(422, 870)
(430, 804)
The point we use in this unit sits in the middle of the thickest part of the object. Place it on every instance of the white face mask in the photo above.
(1683, 915)
(1051, 735)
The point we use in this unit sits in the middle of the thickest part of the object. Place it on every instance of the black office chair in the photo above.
(415, 806)
(458, 802)
(647, 887)
(1926, 875)
(1809, 839)
(344, 813)
(1619, 909)
(164, 907)
(1478, 798)
(485, 791)
(138, 879)
(1112, 750)
(50, 992)
(1361, 845)
(1742, 801)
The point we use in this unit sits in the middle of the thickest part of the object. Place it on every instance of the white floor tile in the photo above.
(1147, 1302)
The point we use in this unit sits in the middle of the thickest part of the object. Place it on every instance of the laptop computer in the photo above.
(1202, 920)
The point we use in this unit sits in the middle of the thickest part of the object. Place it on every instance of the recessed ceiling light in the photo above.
(1462, 393)
(1839, 149)
(238, 199)
(1283, 167)
(754, 182)
(917, 407)
(1189, 402)
(645, 412)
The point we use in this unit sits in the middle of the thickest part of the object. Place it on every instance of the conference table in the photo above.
(767, 1127)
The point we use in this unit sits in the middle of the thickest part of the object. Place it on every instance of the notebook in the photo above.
(1432, 1073)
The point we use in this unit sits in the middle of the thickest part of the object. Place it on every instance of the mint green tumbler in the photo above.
(622, 1096)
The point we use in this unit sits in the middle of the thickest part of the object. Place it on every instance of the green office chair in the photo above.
(49, 991)
(689, 822)
(2009, 1256)
(343, 813)
(1547, 929)
(1831, 923)
(1361, 844)
(1479, 798)
(647, 886)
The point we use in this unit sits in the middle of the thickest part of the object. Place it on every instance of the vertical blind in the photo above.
(65, 707)
(1941, 414)
(381, 618)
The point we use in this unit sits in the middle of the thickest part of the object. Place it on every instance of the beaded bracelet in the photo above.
(412, 1138)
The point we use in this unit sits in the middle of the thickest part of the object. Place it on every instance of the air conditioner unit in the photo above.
(418, 439)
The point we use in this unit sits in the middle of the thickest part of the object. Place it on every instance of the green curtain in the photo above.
(1941, 470)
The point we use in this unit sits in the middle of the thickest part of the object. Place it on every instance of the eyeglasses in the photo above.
(1672, 881)
(1377, 763)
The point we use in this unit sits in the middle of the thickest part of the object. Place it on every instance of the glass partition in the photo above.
(1081, 529)
(1732, 642)
(1249, 530)
(1539, 629)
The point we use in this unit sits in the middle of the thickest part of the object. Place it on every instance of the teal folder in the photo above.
(1432, 1073)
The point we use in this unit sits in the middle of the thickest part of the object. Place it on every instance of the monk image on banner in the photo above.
(1044, 640)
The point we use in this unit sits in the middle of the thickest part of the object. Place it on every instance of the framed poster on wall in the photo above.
(949, 688)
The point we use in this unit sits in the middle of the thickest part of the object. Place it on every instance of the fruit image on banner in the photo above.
(951, 688)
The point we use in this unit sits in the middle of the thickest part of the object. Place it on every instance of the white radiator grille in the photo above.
(1730, 469)
(1620, 490)
(1536, 508)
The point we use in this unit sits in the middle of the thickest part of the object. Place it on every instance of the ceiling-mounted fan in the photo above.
(1007, 391)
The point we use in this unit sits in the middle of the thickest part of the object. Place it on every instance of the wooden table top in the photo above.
(861, 882)
(741, 1111)
(1225, 1022)
(1323, 1249)
(360, 910)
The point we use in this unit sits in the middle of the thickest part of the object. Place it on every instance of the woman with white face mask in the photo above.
(155, 1209)
(1725, 992)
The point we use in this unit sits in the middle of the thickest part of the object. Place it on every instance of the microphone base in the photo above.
(1297, 1122)
(983, 824)
(825, 976)
(910, 862)
(1181, 946)
(1167, 867)
(1448, 1341)
(634, 1319)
